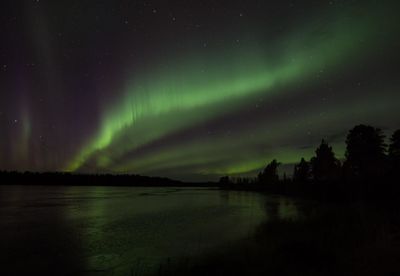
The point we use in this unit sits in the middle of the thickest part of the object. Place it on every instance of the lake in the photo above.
(123, 230)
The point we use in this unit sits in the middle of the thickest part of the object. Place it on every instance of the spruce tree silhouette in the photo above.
(302, 171)
(270, 173)
(365, 152)
(325, 166)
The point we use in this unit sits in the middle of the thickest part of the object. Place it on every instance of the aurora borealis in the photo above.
(191, 89)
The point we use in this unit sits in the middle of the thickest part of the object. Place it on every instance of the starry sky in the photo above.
(191, 90)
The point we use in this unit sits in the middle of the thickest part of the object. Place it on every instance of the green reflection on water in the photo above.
(117, 230)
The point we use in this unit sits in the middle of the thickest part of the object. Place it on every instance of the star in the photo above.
(140, 83)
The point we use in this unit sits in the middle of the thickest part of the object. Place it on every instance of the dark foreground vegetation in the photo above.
(371, 169)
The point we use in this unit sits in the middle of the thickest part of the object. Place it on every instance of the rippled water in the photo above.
(123, 230)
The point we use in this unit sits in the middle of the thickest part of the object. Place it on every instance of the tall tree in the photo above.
(270, 173)
(302, 171)
(365, 151)
(325, 166)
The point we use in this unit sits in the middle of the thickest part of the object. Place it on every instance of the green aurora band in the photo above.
(187, 91)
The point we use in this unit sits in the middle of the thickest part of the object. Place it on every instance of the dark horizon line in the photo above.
(100, 179)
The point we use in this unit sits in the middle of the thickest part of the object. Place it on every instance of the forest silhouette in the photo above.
(370, 169)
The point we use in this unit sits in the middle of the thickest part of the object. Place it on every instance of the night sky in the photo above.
(191, 89)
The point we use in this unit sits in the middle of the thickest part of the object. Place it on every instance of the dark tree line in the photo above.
(370, 169)
(69, 179)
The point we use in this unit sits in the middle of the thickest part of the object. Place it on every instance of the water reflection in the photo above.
(123, 230)
(35, 238)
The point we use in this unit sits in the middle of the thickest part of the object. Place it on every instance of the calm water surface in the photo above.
(123, 230)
